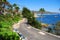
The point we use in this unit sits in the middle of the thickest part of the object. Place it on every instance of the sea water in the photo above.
(48, 19)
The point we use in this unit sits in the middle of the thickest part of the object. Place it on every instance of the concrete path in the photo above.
(34, 34)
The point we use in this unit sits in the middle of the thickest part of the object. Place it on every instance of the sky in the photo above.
(48, 5)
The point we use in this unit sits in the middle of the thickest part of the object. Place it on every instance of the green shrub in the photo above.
(34, 23)
(6, 22)
(8, 35)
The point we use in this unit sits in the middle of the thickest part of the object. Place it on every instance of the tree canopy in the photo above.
(42, 10)
(26, 12)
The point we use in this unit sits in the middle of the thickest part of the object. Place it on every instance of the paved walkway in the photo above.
(34, 34)
(17, 25)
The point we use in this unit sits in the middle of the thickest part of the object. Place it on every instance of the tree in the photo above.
(3, 4)
(14, 5)
(42, 10)
(26, 13)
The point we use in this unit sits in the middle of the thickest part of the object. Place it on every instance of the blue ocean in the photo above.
(48, 19)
